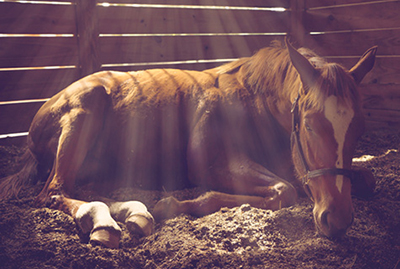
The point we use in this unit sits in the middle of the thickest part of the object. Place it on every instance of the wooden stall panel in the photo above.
(20, 85)
(33, 84)
(38, 51)
(157, 34)
(374, 15)
(242, 3)
(378, 96)
(382, 118)
(36, 36)
(319, 4)
(123, 20)
(36, 18)
(163, 49)
(343, 30)
(17, 118)
(353, 44)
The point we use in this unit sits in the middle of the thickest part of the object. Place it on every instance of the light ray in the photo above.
(273, 9)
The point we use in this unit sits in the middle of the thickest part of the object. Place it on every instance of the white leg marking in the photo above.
(340, 116)
(94, 215)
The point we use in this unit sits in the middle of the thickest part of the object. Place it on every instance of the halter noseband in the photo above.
(295, 140)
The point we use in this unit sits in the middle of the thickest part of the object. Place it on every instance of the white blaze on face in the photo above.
(340, 117)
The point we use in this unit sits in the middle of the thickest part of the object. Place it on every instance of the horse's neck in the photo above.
(280, 110)
(276, 105)
(277, 98)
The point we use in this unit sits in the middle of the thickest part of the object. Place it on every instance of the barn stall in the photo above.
(46, 45)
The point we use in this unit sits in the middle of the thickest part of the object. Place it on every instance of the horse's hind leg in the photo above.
(80, 126)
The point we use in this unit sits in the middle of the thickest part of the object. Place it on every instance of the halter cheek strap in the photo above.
(295, 141)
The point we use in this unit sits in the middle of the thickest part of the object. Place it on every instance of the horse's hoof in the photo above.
(55, 201)
(105, 237)
(141, 224)
(167, 208)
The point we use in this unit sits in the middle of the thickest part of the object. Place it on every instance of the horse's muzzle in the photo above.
(331, 224)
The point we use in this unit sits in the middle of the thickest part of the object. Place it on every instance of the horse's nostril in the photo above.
(324, 219)
(331, 227)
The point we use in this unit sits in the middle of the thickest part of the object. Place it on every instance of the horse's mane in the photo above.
(270, 73)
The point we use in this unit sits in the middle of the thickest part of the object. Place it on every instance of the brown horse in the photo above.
(236, 130)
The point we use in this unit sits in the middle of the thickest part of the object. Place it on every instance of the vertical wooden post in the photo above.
(297, 27)
(88, 35)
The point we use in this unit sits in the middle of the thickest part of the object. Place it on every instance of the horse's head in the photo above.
(327, 122)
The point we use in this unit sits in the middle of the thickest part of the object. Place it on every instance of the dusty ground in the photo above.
(243, 237)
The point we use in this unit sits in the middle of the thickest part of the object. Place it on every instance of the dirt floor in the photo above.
(242, 237)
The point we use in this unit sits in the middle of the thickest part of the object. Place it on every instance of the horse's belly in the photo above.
(146, 152)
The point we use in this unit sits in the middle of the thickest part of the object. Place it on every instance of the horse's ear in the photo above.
(364, 65)
(306, 70)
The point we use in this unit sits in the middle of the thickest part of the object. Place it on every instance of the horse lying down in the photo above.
(252, 131)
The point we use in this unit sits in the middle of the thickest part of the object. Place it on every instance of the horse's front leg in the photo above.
(214, 162)
(232, 189)
(213, 201)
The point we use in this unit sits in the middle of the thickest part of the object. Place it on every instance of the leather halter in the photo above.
(295, 140)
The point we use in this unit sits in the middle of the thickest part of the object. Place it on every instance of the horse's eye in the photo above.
(308, 128)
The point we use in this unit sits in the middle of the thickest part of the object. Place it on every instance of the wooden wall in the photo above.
(46, 46)
(343, 29)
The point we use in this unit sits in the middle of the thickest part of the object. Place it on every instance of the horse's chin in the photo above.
(331, 234)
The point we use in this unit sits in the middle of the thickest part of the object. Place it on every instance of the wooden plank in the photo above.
(37, 51)
(374, 16)
(161, 49)
(390, 117)
(118, 20)
(18, 85)
(35, 19)
(353, 44)
(379, 125)
(319, 4)
(17, 118)
(88, 36)
(246, 3)
(297, 30)
(378, 96)
(14, 141)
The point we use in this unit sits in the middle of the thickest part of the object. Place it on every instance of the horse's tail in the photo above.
(11, 185)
